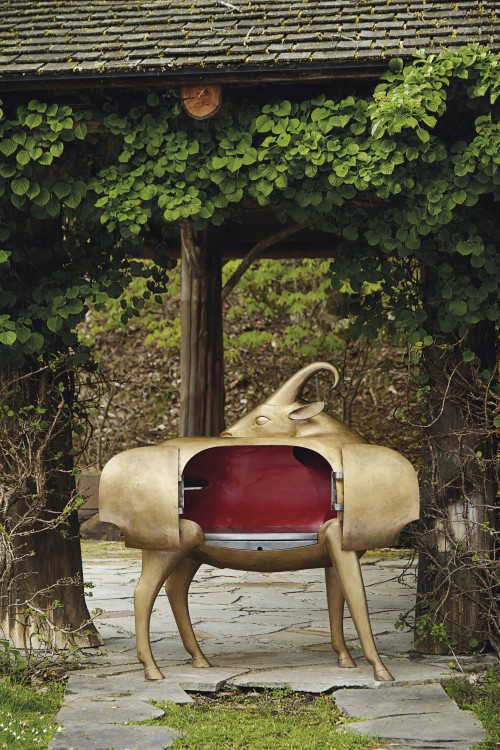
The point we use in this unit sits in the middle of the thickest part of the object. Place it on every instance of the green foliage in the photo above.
(406, 179)
(27, 714)
(136, 307)
(415, 168)
(12, 662)
(52, 262)
(296, 293)
(481, 695)
(279, 718)
(426, 626)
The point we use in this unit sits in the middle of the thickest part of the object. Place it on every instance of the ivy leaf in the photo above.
(52, 207)
(423, 135)
(372, 237)
(54, 323)
(470, 247)
(7, 170)
(33, 120)
(23, 157)
(62, 189)
(283, 109)
(46, 159)
(72, 201)
(8, 338)
(350, 233)
(219, 162)
(18, 201)
(148, 192)
(458, 307)
(20, 186)
(36, 342)
(23, 334)
(80, 131)
(56, 149)
(7, 147)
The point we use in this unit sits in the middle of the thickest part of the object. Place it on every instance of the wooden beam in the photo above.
(295, 251)
(306, 244)
(201, 100)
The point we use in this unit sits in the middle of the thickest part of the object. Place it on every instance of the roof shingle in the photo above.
(44, 38)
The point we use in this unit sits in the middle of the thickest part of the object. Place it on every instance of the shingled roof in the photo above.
(82, 38)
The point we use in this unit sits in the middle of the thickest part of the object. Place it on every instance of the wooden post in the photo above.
(202, 358)
(458, 499)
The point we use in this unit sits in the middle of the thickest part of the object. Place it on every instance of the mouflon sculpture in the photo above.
(287, 487)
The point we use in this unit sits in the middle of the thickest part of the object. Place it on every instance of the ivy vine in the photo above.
(405, 178)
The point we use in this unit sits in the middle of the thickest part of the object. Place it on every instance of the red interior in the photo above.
(251, 489)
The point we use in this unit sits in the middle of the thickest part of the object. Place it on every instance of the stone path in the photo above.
(258, 630)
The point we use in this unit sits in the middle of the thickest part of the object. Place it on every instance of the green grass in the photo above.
(269, 720)
(27, 715)
(483, 699)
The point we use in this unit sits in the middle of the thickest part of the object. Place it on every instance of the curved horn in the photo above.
(293, 387)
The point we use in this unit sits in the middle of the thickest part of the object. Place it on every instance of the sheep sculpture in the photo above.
(287, 487)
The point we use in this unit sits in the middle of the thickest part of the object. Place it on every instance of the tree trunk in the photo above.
(42, 603)
(455, 593)
(202, 356)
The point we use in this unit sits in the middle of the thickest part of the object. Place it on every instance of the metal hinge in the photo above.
(182, 490)
(339, 507)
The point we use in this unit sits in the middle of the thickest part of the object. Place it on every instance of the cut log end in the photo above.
(201, 100)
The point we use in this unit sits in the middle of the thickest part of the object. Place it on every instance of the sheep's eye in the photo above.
(262, 420)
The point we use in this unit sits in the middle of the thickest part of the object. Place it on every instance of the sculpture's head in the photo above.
(284, 414)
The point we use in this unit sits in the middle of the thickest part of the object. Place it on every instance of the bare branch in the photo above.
(258, 249)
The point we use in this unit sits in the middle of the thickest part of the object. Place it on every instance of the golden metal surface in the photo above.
(139, 493)
(380, 489)
(380, 496)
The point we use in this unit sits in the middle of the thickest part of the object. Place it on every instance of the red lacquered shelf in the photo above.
(276, 489)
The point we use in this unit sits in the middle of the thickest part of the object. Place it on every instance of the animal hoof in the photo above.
(153, 674)
(383, 675)
(347, 662)
(200, 663)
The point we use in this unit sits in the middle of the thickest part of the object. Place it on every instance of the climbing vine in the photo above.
(404, 178)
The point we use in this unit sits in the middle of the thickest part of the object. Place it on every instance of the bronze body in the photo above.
(375, 491)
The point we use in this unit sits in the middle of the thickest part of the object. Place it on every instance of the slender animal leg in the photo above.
(177, 588)
(156, 567)
(349, 574)
(335, 599)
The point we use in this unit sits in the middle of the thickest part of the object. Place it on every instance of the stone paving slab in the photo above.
(259, 630)
(119, 710)
(178, 678)
(414, 700)
(320, 677)
(440, 729)
(420, 716)
(102, 737)
(200, 680)
(82, 685)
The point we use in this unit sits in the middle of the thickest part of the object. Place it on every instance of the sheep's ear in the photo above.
(308, 411)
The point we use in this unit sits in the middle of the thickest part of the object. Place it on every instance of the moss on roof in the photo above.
(116, 36)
